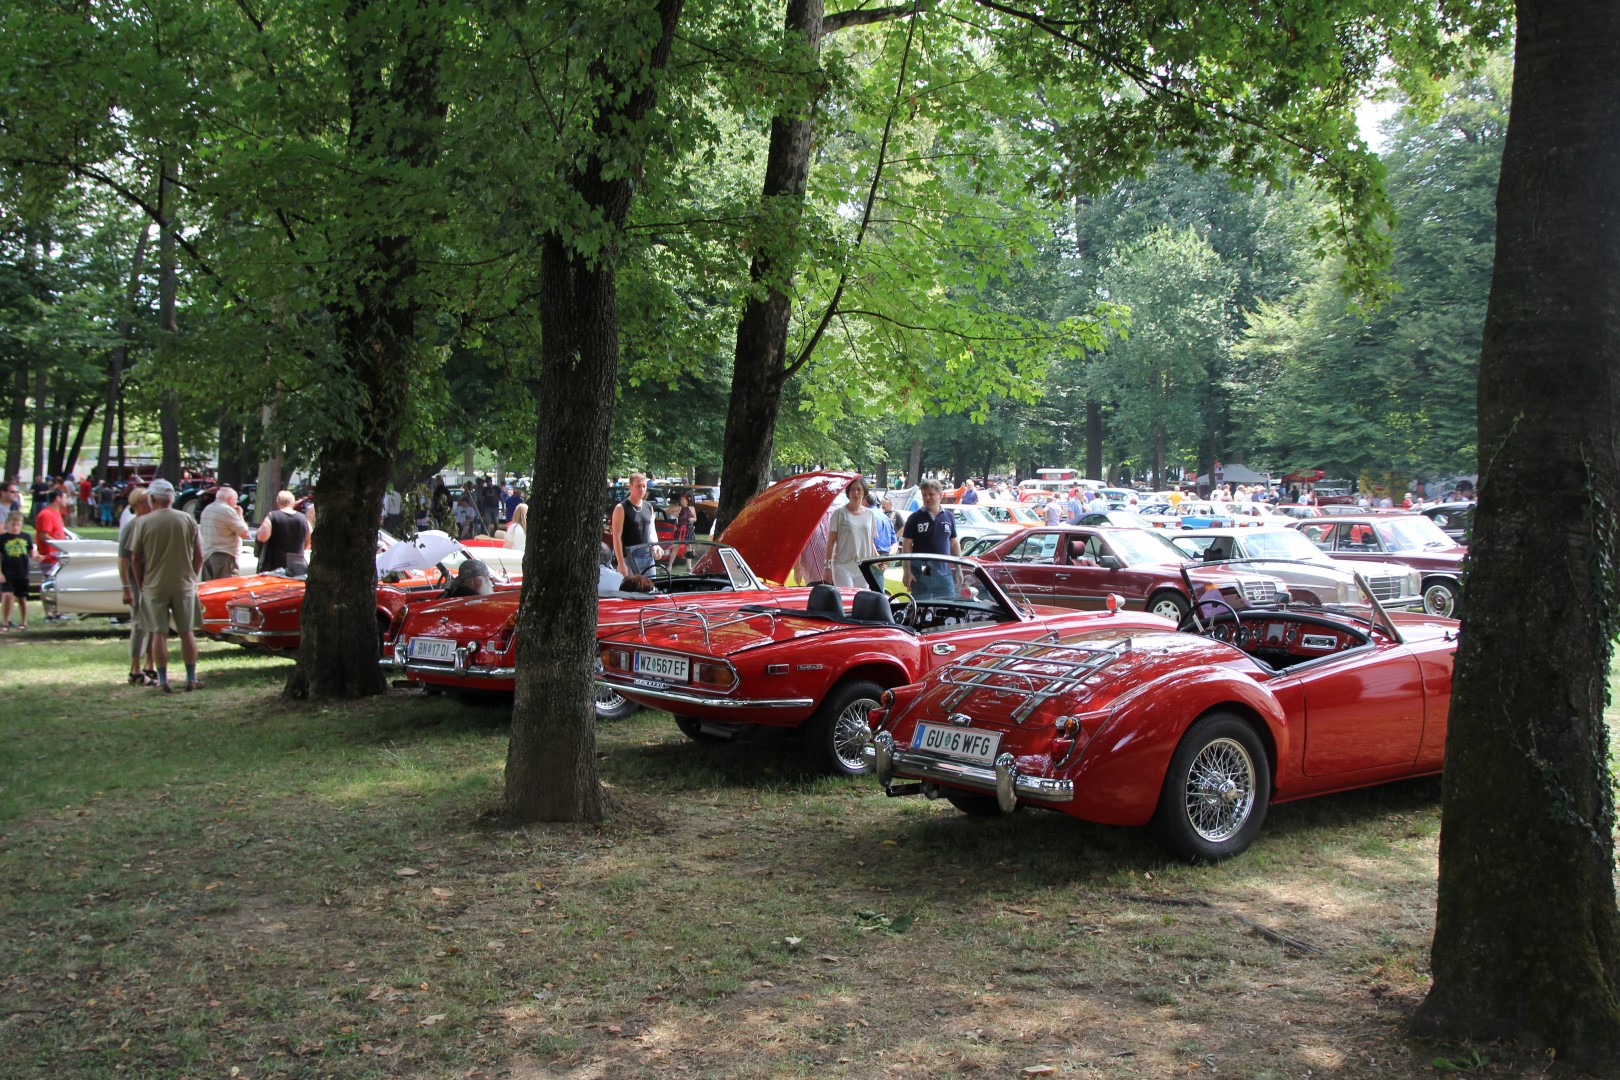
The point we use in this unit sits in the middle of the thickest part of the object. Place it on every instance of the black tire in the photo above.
(692, 728)
(1162, 603)
(977, 806)
(1216, 790)
(1442, 596)
(833, 736)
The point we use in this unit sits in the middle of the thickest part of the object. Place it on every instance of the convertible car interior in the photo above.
(872, 608)
(1280, 640)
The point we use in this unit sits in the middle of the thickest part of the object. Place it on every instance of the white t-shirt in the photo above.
(855, 533)
(514, 537)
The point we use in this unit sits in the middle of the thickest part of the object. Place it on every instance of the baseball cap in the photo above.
(160, 489)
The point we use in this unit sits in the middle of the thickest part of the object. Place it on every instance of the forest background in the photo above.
(992, 320)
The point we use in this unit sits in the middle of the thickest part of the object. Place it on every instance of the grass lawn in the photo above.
(223, 884)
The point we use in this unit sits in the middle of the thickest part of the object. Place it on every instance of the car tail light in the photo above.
(615, 660)
(714, 676)
(503, 637)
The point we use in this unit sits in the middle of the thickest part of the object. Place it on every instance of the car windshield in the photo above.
(670, 566)
(1351, 601)
(1281, 544)
(1143, 546)
(933, 578)
(971, 515)
(1412, 534)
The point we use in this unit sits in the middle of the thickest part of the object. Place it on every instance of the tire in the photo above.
(837, 732)
(977, 806)
(609, 705)
(1216, 790)
(1443, 597)
(692, 728)
(1172, 605)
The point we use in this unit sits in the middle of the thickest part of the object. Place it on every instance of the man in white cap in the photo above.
(166, 557)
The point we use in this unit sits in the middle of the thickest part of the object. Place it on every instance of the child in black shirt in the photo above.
(15, 548)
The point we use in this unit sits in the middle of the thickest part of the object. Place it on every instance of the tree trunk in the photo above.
(120, 354)
(41, 463)
(551, 759)
(122, 444)
(1094, 439)
(168, 321)
(234, 461)
(1527, 938)
(72, 456)
(914, 466)
(395, 123)
(18, 414)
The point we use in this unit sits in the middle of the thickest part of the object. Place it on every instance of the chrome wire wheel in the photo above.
(1220, 790)
(610, 704)
(850, 733)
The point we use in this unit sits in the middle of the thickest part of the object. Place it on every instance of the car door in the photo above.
(1363, 710)
(1027, 570)
(1079, 580)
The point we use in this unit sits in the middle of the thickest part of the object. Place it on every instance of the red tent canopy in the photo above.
(1308, 476)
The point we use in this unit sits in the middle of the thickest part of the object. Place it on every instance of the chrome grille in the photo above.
(1260, 592)
(1387, 588)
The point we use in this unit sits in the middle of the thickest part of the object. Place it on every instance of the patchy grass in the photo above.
(225, 884)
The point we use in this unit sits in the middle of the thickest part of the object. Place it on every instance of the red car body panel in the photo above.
(268, 613)
(1366, 709)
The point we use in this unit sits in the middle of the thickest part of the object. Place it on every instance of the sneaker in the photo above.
(194, 684)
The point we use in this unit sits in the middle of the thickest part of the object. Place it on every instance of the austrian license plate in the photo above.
(433, 648)
(242, 616)
(966, 744)
(659, 666)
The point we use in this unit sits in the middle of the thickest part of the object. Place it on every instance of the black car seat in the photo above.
(826, 600)
(870, 605)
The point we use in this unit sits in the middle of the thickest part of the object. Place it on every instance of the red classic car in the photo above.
(267, 615)
(468, 644)
(1082, 566)
(1411, 539)
(1198, 732)
(820, 664)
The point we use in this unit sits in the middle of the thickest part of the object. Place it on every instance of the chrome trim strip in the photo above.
(424, 667)
(242, 631)
(917, 765)
(681, 698)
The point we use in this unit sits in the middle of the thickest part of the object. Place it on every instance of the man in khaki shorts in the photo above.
(166, 557)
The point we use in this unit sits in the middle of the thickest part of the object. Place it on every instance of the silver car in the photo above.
(1312, 576)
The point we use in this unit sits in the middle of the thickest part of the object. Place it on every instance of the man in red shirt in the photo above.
(48, 527)
(87, 496)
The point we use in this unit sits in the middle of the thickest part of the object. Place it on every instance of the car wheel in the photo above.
(1216, 790)
(1172, 605)
(980, 806)
(838, 732)
(609, 704)
(1442, 597)
(692, 728)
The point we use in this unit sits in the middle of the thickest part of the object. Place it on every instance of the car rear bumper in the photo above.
(1002, 779)
(460, 670)
(697, 704)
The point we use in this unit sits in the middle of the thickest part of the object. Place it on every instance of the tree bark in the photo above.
(168, 320)
(41, 463)
(71, 458)
(1527, 938)
(120, 354)
(551, 758)
(395, 123)
(19, 421)
(1094, 440)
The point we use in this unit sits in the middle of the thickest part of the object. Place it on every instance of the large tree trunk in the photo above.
(551, 759)
(1094, 437)
(18, 415)
(395, 121)
(168, 319)
(71, 459)
(41, 462)
(120, 354)
(1527, 939)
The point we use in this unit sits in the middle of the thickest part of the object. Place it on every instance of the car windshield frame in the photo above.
(1413, 532)
(1370, 612)
(1155, 542)
(697, 560)
(888, 574)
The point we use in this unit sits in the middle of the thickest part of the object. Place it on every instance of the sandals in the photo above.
(194, 684)
(138, 678)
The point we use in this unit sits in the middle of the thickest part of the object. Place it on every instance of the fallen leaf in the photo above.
(406, 871)
(429, 1021)
(1038, 1070)
(792, 942)
(443, 894)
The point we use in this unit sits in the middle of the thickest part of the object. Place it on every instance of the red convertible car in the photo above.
(1082, 566)
(1196, 731)
(468, 644)
(1411, 539)
(821, 664)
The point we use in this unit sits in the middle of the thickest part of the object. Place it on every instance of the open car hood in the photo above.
(773, 529)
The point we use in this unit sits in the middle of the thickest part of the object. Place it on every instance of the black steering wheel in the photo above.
(1190, 621)
(905, 607)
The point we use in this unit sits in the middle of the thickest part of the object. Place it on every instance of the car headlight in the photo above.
(1346, 592)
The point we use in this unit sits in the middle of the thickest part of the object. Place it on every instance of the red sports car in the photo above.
(820, 663)
(468, 644)
(1198, 732)
(1082, 566)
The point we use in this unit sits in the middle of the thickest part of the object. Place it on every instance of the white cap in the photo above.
(160, 489)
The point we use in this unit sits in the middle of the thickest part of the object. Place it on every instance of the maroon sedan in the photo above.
(1081, 566)
(1411, 539)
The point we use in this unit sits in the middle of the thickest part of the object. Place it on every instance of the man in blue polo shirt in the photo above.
(930, 531)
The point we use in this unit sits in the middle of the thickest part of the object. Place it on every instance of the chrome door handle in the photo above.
(943, 649)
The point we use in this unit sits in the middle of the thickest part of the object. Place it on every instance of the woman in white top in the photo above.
(850, 537)
(515, 528)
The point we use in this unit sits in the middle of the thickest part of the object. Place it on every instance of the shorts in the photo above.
(181, 610)
(16, 586)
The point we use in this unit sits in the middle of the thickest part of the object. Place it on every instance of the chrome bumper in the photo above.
(681, 697)
(47, 597)
(1002, 779)
(253, 635)
(460, 669)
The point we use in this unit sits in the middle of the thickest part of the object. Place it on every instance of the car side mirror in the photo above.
(1108, 562)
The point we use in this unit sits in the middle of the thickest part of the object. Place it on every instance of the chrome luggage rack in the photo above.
(1033, 670)
(693, 618)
